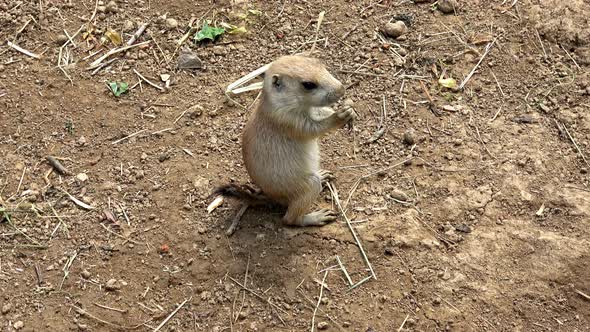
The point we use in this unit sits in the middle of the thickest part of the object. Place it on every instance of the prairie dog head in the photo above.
(300, 82)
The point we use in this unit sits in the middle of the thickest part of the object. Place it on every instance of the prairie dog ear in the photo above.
(277, 82)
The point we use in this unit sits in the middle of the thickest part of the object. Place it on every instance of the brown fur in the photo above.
(280, 141)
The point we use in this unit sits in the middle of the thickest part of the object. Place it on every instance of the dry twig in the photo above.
(171, 315)
(319, 301)
(23, 51)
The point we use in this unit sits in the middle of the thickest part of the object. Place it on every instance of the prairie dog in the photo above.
(280, 140)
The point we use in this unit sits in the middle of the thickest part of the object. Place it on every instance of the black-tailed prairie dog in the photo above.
(280, 141)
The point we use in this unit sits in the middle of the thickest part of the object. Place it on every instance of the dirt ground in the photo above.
(473, 206)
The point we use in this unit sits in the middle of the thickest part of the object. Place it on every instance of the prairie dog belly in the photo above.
(279, 165)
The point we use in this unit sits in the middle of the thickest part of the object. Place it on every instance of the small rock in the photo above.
(171, 23)
(128, 26)
(101, 9)
(409, 137)
(111, 7)
(205, 295)
(189, 60)
(400, 196)
(219, 50)
(463, 228)
(82, 140)
(389, 251)
(18, 325)
(195, 111)
(61, 39)
(142, 55)
(446, 275)
(323, 326)
(447, 6)
(143, 156)
(82, 177)
(111, 285)
(85, 274)
(395, 29)
(6, 308)
(525, 118)
(163, 157)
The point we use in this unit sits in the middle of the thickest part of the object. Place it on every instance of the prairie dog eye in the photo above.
(309, 86)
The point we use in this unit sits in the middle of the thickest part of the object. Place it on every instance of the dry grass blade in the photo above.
(148, 81)
(576, 145)
(171, 315)
(114, 51)
(317, 30)
(354, 235)
(23, 51)
(582, 294)
(488, 48)
(315, 311)
(77, 201)
(236, 88)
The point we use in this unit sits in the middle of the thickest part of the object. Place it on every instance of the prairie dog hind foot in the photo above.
(317, 218)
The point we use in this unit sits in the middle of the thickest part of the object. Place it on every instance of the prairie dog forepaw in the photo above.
(325, 176)
(345, 115)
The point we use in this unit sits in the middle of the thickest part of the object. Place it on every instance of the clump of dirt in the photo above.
(563, 22)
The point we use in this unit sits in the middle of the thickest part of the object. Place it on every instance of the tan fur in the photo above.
(280, 141)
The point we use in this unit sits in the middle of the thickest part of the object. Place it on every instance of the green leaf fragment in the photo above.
(254, 12)
(118, 88)
(233, 29)
(449, 83)
(208, 32)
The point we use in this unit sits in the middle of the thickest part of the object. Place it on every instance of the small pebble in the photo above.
(400, 196)
(19, 325)
(60, 39)
(409, 137)
(6, 308)
(163, 157)
(111, 7)
(128, 26)
(219, 50)
(463, 228)
(395, 29)
(111, 285)
(323, 326)
(85, 274)
(82, 177)
(189, 60)
(171, 23)
(447, 6)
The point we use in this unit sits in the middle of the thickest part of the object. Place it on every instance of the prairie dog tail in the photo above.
(243, 192)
